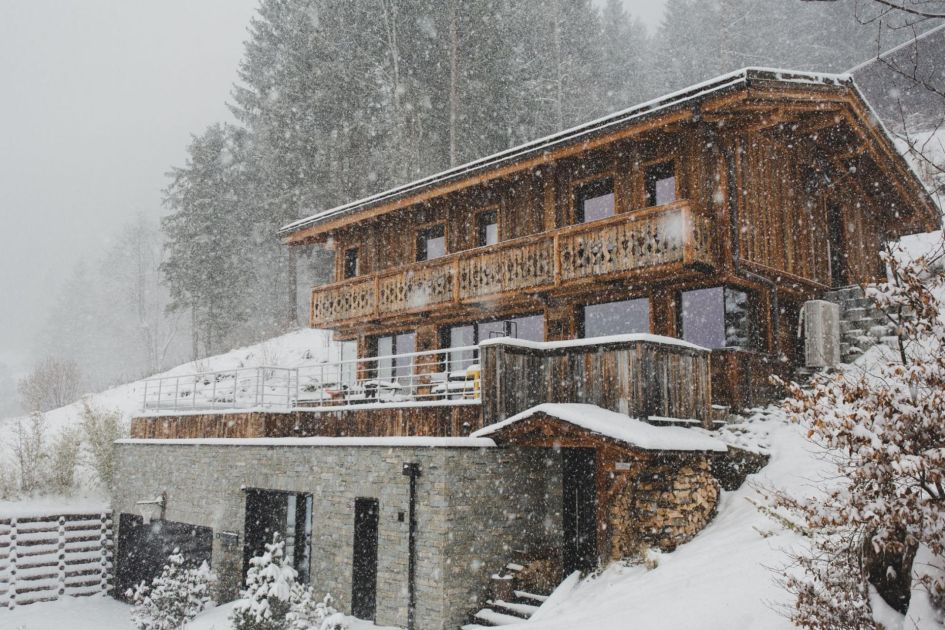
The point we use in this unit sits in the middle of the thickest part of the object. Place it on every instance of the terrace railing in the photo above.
(446, 376)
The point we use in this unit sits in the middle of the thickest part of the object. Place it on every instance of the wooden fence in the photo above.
(44, 558)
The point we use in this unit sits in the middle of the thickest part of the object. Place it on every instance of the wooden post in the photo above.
(11, 594)
(104, 536)
(61, 555)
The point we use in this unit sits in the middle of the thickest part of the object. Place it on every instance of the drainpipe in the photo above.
(412, 470)
(732, 195)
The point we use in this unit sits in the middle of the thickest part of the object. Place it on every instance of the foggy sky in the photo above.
(98, 101)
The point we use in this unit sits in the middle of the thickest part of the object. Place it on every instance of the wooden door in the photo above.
(580, 509)
(364, 565)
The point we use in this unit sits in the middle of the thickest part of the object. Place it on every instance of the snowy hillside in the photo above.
(298, 348)
(294, 349)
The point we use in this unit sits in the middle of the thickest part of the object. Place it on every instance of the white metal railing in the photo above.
(241, 388)
(451, 374)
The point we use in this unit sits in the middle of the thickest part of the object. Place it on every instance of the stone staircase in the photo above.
(508, 604)
(862, 325)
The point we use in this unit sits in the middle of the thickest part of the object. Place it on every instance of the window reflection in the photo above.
(718, 317)
(594, 201)
(431, 242)
(617, 318)
(660, 184)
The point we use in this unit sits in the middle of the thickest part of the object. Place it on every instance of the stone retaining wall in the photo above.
(467, 522)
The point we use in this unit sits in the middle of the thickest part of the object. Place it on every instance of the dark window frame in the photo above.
(754, 333)
(656, 172)
(422, 235)
(508, 328)
(581, 322)
(482, 227)
(589, 189)
(395, 364)
(346, 271)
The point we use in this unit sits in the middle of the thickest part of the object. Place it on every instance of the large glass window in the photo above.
(431, 242)
(390, 368)
(529, 327)
(719, 317)
(616, 318)
(660, 184)
(487, 228)
(594, 200)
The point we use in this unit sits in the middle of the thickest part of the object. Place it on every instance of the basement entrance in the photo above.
(364, 565)
(288, 514)
(579, 513)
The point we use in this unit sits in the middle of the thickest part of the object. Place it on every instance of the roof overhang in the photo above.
(688, 105)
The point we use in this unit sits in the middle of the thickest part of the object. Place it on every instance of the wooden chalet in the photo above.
(709, 215)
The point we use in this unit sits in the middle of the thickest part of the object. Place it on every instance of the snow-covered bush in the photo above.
(884, 430)
(51, 384)
(310, 613)
(274, 600)
(31, 453)
(173, 598)
(102, 427)
(64, 456)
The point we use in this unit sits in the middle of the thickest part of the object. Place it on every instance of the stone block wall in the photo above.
(475, 505)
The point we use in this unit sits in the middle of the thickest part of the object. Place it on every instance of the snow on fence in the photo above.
(44, 558)
(446, 375)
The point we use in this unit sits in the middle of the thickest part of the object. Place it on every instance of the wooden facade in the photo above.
(785, 187)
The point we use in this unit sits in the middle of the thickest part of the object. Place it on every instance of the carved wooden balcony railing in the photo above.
(666, 237)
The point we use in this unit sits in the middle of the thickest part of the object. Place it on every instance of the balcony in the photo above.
(664, 239)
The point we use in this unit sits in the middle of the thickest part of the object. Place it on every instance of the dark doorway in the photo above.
(143, 549)
(838, 267)
(285, 513)
(364, 566)
(580, 509)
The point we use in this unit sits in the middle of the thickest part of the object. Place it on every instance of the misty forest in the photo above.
(485, 313)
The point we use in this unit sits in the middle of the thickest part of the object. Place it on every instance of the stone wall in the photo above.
(475, 507)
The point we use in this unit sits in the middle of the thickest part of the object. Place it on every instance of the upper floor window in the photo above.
(350, 268)
(660, 183)
(718, 317)
(431, 242)
(487, 228)
(625, 317)
(594, 200)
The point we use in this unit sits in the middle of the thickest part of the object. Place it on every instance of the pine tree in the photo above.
(173, 598)
(207, 268)
(268, 597)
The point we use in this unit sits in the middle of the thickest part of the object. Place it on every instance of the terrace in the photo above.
(449, 392)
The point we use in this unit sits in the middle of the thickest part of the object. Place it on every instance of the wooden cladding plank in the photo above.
(432, 421)
(640, 379)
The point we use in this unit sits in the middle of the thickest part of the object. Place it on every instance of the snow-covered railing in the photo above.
(445, 375)
(240, 388)
(46, 557)
(451, 374)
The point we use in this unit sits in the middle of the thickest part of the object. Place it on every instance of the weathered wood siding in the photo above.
(639, 378)
(433, 420)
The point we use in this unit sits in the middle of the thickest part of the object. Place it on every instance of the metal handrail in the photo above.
(448, 375)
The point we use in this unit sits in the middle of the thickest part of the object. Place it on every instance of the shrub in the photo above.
(51, 384)
(29, 448)
(175, 597)
(102, 428)
(65, 456)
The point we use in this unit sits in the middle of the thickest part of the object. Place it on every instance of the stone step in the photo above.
(515, 609)
(853, 314)
(491, 617)
(533, 597)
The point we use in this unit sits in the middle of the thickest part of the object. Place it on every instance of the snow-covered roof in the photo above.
(389, 442)
(579, 133)
(616, 426)
(592, 341)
